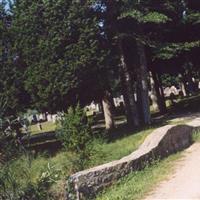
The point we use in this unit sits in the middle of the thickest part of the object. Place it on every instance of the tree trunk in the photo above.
(108, 110)
(182, 85)
(143, 84)
(129, 114)
(153, 95)
(128, 90)
(159, 93)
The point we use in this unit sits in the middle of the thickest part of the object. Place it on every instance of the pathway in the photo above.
(184, 183)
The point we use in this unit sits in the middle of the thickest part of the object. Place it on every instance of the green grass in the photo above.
(115, 150)
(178, 121)
(46, 127)
(103, 152)
(137, 184)
(25, 171)
(134, 186)
(196, 136)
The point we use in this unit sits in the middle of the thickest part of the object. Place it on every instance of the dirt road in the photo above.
(184, 183)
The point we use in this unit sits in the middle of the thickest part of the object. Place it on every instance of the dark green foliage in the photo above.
(169, 80)
(12, 72)
(55, 50)
(9, 147)
(76, 135)
(170, 31)
(75, 131)
(172, 50)
(59, 44)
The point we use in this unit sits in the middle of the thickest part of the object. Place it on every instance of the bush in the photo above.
(76, 135)
(9, 147)
(17, 185)
(75, 131)
(40, 190)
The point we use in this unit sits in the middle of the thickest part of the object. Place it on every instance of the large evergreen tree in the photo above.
(58, 53)
(64, 54)
(59, 43)
(12, 73)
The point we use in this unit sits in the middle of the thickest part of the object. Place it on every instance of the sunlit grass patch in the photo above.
(46, 127)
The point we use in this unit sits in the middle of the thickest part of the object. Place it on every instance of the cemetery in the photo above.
(99, 100)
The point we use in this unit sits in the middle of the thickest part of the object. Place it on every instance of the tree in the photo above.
(131, 18)
(61, 48)
(64, 53)
(12, 72)
(177, 44)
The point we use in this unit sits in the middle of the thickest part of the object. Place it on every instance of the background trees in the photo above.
(58, 53)
(11, 77)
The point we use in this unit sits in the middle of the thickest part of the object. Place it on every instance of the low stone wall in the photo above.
(160, 143)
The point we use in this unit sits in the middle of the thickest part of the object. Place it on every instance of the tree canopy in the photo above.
(58, 53)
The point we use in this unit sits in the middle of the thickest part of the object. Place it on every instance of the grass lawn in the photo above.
(134, 186)
(25, 169)
(105, 152)
(46, 127)
(196, 136)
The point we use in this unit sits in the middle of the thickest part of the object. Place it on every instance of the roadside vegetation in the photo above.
(25, 170)
(28, 172)
(28, 169)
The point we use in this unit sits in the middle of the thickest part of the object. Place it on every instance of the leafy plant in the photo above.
(76, 135)
(40, 190)
(169, 80)
(13, 189)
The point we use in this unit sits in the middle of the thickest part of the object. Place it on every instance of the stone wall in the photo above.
(160, 143)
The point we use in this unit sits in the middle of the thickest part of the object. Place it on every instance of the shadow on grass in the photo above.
(189, 104)
(124, 130)
(184, 106)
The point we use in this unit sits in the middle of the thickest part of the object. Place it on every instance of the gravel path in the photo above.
(184, 183)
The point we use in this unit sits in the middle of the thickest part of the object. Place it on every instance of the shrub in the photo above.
(76, 135)
(15, 185)
(40, 190)
(8, 145)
